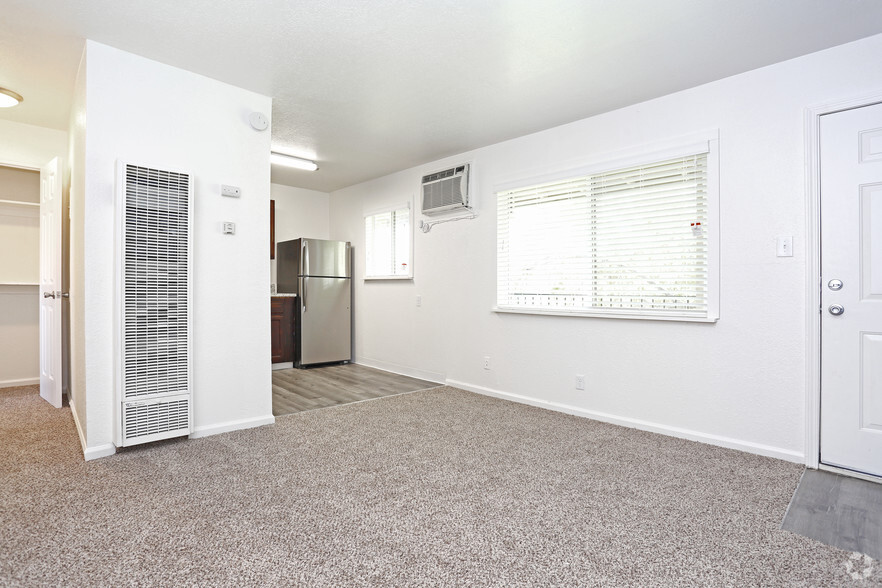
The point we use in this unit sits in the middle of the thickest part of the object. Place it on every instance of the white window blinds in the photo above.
(628, 241)
(388, 243)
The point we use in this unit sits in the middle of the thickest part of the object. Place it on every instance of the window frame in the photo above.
(705, 142)
(384, 210)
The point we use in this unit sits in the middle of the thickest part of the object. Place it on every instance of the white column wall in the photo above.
(76, 188)
(144, 112)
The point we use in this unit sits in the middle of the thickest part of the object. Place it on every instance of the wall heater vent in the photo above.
(156, 252)
(150, 420)
(446, 190)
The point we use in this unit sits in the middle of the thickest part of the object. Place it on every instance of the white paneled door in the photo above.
(851, 289)
(50, 282)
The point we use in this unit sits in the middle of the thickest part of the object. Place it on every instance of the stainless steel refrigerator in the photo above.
(320, 273)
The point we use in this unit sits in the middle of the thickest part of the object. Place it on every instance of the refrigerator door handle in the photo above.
(303, 294)
(305, 257)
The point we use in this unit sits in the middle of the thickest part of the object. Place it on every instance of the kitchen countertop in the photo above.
(283, 294)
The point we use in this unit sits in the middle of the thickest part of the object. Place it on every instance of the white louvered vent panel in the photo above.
(158, 419)
(155, 282)
(445, 190)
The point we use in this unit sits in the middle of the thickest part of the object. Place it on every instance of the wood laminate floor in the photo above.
(298, 390)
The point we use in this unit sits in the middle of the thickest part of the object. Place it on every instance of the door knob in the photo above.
(48, 294)
(835, 284)
(836, 310)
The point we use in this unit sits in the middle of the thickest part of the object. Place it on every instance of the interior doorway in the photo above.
(19, 276)
(33, 231)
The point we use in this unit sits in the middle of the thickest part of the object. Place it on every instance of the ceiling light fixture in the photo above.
(8, 98)
(291, 161)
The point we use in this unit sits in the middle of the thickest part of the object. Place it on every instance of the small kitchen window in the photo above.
(388, 244)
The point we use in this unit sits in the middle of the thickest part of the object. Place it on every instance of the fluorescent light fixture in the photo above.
(291, 161)
(8, 98)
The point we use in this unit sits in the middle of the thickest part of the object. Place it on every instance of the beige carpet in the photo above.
(435, 488)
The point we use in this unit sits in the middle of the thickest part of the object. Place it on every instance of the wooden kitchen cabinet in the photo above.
(282, 328)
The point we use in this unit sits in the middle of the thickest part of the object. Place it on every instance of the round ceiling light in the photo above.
(9, 98)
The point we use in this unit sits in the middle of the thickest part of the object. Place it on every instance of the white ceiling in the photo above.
(370, 87)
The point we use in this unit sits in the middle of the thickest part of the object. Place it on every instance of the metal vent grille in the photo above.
(155, 282)
(446, 190)
(142, 418)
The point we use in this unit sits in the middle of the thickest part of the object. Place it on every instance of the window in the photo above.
(632, 242)
(388, 243)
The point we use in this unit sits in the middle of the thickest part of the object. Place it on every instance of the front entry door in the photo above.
(851, 289)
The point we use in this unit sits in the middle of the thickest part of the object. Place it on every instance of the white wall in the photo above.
(19, 244)
(19, 185)
(740, 382)
(144, 112)
(29, 147)
(389, 331)
(19, 335)
(299, 213)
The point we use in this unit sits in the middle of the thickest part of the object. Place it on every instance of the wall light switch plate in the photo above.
(785, 246)
(231, 191)
(229, 228)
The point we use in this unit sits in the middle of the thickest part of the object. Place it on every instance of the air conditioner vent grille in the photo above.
(141, 418)
(446, 190)
(155, 282)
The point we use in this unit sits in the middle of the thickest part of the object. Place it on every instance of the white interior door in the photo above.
(50, 282)
(851, 289)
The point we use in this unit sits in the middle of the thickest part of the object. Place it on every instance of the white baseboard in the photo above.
(90, 453)
(76, 417)
(19, 382)
(285, 365)
(401, 370)
(728, 442)
(99, 451)
(231, 426)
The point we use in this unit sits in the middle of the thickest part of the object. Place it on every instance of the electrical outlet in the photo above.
(419, 300)
(486, 362)
(229, 228)
(231, 191)
(785, 246)
(580, 382)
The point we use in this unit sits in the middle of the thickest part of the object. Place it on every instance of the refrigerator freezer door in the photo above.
(325, 320)
(325, 258)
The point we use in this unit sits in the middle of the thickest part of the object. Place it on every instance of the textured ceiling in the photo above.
(368, 88)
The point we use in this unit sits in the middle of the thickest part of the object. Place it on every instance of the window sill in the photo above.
(608, 315)
(373, 278)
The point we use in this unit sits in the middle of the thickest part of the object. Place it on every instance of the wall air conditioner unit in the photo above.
(153, 301)
(446, 190)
